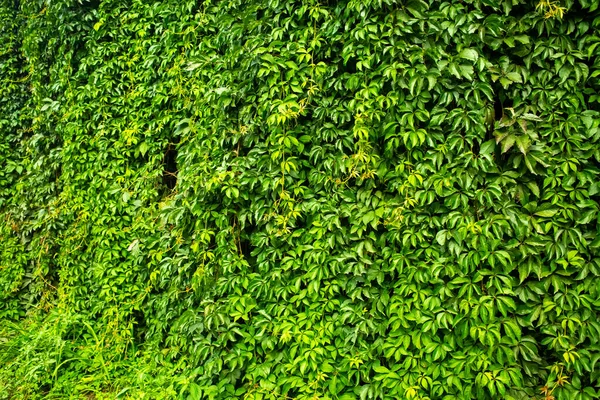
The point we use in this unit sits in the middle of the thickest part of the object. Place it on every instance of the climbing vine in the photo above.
(299, 199)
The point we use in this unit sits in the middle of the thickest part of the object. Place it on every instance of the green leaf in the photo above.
(469, 54)
(508, 142)
(514, 77)
(523, 143)
(487, 147)
(547, 213)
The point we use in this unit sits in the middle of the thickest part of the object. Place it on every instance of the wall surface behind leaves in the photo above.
(363, 199)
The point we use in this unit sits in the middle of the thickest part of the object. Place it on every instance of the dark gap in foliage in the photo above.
(475, 148)
(52, 277)
(501, 103)
(139, 323)
(349, 66)
(302, 121)
(245, 246)
(498, 109)
(90, 4)
(57, 173)
(259, 14)
(169, 177)
(387, 88)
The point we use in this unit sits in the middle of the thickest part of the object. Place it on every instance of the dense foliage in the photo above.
(360, 199)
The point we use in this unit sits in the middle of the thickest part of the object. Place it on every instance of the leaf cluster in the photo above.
(360, 199)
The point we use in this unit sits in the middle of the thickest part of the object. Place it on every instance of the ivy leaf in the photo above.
(487, 147)
(547, 212)
(469, 54)
(508, 142)
(523, 143)
(514, 77)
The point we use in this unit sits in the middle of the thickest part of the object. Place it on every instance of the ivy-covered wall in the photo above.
(336, 200)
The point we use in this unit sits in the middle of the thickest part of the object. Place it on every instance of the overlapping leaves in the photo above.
(335, 200)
